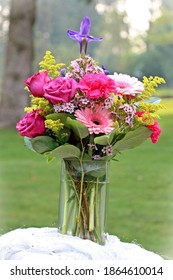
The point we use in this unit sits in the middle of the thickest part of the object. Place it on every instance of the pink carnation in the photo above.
(127, 85)
(97, 85)
(98, 120)
(36, 83)
(156, 131)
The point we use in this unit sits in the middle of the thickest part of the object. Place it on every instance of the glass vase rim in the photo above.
(86, 160)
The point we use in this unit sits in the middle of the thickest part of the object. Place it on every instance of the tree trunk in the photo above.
(18, 61)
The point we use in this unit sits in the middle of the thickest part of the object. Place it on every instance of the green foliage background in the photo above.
(147, 54)
(150, 53)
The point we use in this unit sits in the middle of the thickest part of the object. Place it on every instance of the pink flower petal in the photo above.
(98, 120)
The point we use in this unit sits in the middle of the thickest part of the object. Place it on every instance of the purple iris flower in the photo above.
(83, 36)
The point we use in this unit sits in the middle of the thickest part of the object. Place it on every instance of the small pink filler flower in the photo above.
(127, 85)
(98, 120)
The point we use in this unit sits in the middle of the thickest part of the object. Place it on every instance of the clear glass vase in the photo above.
(82, 199)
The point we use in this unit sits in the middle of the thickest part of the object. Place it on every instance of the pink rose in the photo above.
(60, 89)
(97, 85)
(31, 125)
(36, 83)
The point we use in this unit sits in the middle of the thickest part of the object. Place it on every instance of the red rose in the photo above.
(31, 125)
(36, 83)
(97, 85)
(60, 89)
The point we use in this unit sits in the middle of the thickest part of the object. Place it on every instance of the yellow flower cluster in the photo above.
(145, 119)
(54, 125)
(118, 101)
(150, 83)
(41, 104)
(151, 109)
(49, 63)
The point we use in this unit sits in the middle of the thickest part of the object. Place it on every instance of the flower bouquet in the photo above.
(85, 116)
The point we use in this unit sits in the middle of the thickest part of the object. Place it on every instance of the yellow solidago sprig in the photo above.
(150, 85)
(151, 108)
(145, 119)
(49, 63)
(41, 104)
(54, 125)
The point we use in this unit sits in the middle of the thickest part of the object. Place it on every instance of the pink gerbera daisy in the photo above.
(127, 85)
(98, 120)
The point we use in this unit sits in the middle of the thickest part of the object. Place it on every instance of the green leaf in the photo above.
(59, 116)
(94, 168)
(132, 139)
(152, 100)
(86, 157)
(27, 141)
(66, 151)
(63, 135)
(78, 128)
(42, 144)
(105, 139)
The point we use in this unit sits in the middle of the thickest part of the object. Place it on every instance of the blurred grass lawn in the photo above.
(140, 204)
